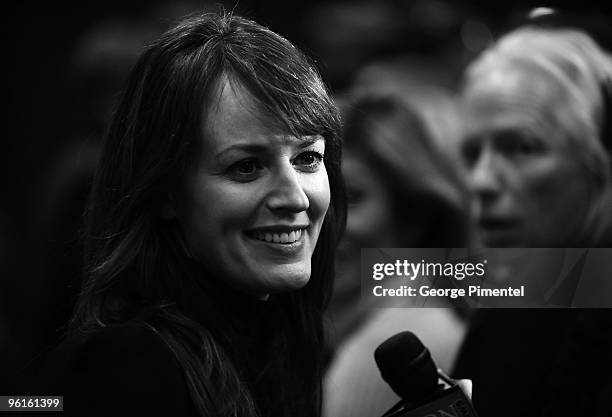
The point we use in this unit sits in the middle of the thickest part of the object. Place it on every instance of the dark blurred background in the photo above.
(66, 63)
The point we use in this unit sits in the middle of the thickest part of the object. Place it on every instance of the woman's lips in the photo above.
(290, 237)
(285, 235)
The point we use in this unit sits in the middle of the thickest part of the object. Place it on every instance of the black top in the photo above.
(128, 369)
(119, 370)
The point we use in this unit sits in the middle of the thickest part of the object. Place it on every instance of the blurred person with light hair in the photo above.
(537, 148)
(536, 138)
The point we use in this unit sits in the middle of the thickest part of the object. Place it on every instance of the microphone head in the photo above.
(406, 365)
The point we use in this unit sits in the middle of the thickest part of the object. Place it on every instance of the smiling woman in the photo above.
(254, 203)
(210, 235)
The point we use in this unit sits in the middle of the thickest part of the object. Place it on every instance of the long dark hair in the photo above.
(136, 267)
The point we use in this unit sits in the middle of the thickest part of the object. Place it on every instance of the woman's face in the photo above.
(256, 199)
(530, 188)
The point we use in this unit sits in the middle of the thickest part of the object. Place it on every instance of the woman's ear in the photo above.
(168, 207)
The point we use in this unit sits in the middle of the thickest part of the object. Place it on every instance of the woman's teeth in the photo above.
(279, 237)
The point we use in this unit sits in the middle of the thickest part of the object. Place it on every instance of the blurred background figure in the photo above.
(425, 85)
(537, 147)
(402, 192)
(533, 141)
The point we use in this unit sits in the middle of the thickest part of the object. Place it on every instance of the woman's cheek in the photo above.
(319, 193)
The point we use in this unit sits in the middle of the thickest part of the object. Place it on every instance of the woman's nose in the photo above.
(287, 193)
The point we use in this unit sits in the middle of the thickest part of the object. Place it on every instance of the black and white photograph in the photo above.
(394, 208)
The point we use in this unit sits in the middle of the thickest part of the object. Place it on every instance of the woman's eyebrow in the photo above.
(244, 147)
(255, 148)
(307, 141)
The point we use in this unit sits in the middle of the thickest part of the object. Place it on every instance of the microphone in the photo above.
(406, 365)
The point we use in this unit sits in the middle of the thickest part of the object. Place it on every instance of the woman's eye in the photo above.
(309, 160)
(245, 170)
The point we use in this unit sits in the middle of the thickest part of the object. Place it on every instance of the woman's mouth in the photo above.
(284, 235)
(279, 237)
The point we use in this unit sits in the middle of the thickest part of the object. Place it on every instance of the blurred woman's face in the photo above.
(530, 188)
(370, 218)
(371, 221)
(255, 202)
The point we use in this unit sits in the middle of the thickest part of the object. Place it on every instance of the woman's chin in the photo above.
(287, 281)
